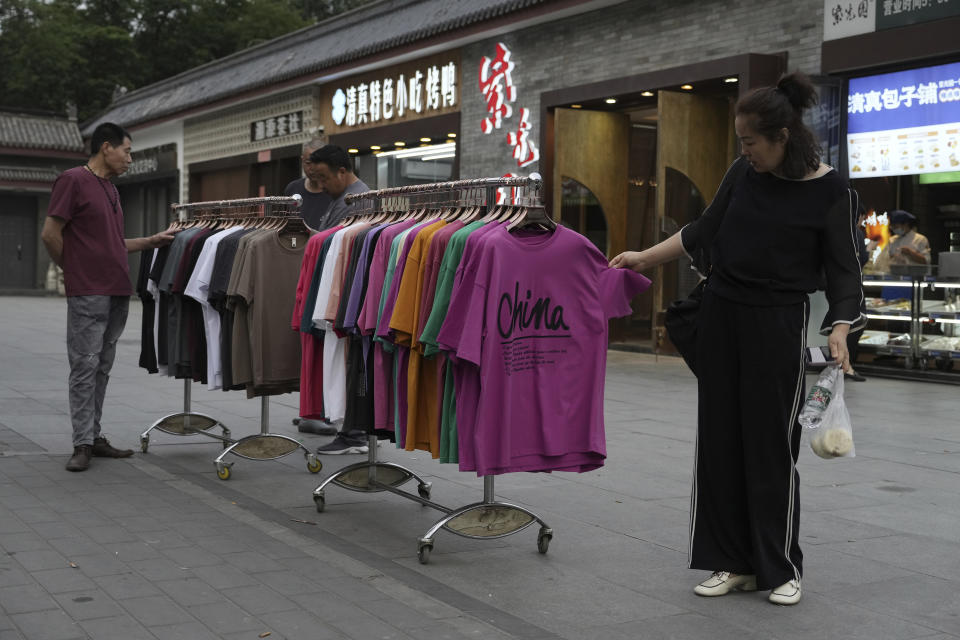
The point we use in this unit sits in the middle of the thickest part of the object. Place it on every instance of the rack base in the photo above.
(486, 520)
(260, 446)
(264, 446)
(187, 423)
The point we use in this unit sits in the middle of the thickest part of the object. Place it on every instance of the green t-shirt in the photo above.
(441, 298)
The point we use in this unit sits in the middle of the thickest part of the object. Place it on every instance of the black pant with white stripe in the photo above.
(745, 507)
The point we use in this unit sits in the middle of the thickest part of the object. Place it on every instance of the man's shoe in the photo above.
(787, 593)
(317, 427)
(343, 444)
(80, 459)
(723, 582)
(856, 377)
(103, 449)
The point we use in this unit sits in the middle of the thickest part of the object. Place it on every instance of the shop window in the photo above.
(402, 167)
(581, 211)
(824, 120)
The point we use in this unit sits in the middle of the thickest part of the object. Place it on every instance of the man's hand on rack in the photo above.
(162, 238)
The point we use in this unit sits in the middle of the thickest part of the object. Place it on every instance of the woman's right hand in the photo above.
(629, 260)
(640, 261)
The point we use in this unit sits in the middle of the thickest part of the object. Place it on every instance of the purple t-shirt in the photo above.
(94, 252)
(532, 311)
(383, 409)
(383, 328)
(358, 286)
(367, 321)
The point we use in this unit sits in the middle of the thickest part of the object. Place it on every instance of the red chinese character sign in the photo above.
(496, 85)
(499, 92)
(524, 151)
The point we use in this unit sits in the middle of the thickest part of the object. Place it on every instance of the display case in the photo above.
(913, 325)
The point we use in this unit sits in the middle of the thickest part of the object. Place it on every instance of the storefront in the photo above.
(898, 65)
(400, 123)
(34, 149)
(624, 108)
(627, 112)
(248, 150)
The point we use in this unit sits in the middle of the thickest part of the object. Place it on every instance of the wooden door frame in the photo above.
(753, 70)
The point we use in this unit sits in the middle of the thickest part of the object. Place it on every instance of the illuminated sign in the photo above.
(906, 122)
(423, 91)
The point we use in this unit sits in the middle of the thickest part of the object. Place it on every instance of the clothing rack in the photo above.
(263, 445)
(484, 520)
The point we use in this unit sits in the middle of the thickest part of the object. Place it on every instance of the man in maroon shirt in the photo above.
(83, 233)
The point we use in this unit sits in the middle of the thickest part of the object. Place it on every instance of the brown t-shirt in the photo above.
(267, 284)
(94, 252)
(241, 371)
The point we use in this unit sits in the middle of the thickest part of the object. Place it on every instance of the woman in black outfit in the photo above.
(787, 220)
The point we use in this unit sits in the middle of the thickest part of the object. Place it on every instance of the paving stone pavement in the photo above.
(155, 546)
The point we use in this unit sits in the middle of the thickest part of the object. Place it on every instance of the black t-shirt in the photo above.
(314, 205)
(777, 237)
(148, 352)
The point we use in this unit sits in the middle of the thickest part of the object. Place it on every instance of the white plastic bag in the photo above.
(831, 436)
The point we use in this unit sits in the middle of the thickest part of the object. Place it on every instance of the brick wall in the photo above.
(630, 38)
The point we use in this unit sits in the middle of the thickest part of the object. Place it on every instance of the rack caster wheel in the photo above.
(313, 465)
(144, 443)
(423, 552)
(223, 471)
(321, 502)
(424, 490)
(543, 540)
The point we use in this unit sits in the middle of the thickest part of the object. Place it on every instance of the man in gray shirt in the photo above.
(335, 172)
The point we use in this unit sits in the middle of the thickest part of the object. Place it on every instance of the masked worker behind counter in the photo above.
(906, 246)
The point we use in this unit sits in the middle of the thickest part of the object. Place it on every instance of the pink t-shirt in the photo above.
(532, 311)
(311, 358)
(94, 251)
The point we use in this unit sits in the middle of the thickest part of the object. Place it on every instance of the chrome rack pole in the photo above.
(186, 404)
(488, 492)
(534, 180)
(264, 414)
(239, 202)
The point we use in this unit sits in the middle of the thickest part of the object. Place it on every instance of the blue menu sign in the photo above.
(905, 122)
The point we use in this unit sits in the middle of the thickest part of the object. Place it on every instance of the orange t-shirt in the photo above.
(423, 417)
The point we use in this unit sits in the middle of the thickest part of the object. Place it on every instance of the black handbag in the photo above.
(680, 321)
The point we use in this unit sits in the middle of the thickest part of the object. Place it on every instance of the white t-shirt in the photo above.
(334, 348)
(198, 288)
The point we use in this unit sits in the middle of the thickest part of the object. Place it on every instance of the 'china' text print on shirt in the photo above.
(514, 313)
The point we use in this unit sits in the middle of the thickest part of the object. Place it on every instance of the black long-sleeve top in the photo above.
(774, 239)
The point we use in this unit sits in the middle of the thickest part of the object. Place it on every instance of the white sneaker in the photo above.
(723, 582)
(787, 593)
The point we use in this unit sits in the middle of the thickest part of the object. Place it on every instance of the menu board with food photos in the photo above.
(906, 122)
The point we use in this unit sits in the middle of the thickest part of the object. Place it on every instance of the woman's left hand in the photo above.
(838, 346)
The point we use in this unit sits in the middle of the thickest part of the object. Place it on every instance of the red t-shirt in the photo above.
(94, 252)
